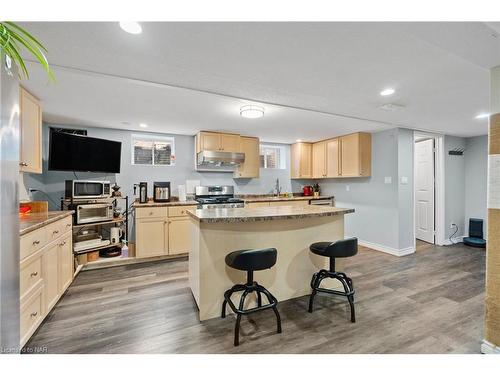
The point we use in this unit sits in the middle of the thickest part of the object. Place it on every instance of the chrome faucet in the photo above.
(277, 187)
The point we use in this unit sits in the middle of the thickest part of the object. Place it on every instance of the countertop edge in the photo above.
(341, 211)
(44, 222)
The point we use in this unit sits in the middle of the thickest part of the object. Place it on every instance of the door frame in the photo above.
(439, 203)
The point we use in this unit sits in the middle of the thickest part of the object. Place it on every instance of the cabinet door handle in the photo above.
(23, 164)
(33, 314)
(150, 213)
(68, 225)
(33, 274)
(55, 232)
(62, 243)
(36, 242)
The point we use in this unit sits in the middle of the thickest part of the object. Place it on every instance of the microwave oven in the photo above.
(92, 212)
(87, 189)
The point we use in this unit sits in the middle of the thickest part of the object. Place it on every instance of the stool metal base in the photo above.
(249, 288)
(346, 283)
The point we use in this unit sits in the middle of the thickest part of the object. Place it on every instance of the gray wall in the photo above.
(454, 168)
(375, 202)
(476, 180)
(52, 182)
(405, 190)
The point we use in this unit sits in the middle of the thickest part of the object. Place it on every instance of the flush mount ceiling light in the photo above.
(483, 115)
(131, 27)
(143, 125)
(251, 111)
(387, 92)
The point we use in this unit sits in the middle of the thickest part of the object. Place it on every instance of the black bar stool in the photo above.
(338, 249)
(250, 260)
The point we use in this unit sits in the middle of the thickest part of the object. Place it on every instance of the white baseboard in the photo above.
(489, 348)
(387, 249)
(458, 239)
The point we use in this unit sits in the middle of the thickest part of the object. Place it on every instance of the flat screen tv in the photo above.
(78, 153)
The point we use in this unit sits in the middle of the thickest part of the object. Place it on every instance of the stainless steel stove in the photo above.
(217, 197)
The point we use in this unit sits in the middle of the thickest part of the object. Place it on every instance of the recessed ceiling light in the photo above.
(131, 27)
(143, 125)
(387, 92)
(483, 115)
(251, 111)
(298, 140)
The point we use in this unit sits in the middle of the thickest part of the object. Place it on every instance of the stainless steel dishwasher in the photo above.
(323, 202)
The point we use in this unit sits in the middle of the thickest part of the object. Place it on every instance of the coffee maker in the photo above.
(161, 191)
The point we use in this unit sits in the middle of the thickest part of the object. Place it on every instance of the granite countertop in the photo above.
(273, 198)
(30, 222)
(239, 215)
(152, 203)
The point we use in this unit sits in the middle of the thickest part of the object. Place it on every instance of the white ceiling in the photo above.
(440, 72)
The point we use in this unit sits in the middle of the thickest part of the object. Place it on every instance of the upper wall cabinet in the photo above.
(30, 115)
(347, 156)
(356, 155)
(325, 155)
(251, 167)
(211, 141)
(301, 160)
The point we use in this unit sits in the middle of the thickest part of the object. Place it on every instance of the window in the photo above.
(272, 156)
(153, 150)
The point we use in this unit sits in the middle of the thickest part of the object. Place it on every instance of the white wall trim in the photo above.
(386, 249)
(489, 348)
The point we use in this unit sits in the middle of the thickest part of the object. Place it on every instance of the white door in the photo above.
(424, 190)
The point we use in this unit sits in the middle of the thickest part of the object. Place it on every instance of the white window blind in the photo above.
(153, 150)
(272, 156)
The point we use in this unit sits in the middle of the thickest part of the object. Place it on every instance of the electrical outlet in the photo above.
(347, 188)
(452, 225)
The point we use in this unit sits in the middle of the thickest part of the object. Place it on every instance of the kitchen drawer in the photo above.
(257, 204)
(54, 230)
(145, 212)
(66, 224)
(291, 203)
(32, 242)
(31, 314)
(30, 274)
(179, 210)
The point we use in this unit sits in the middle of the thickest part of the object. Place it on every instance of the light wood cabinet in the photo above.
(230, 142)
(346, 156)
(212, 141)
(257, 204)
(65, 253)
(355, 151)
(319, 159)
(250, 146)
(52, 286)
(151, 236)
(301, 160)
(30, 119)
(178, 235)
(46, 271)
(332, 158)
(166, 232)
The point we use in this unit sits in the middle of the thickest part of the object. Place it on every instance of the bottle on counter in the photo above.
(124, 249)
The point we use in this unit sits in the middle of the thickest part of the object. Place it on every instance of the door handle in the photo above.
(23, 164)
(33, 314)
(36, 242)
(33, 274)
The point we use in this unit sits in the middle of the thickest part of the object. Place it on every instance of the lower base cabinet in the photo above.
(46, 271)
(167, 233)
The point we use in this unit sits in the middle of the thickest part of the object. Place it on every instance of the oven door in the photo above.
(88, 189)
(92, 213)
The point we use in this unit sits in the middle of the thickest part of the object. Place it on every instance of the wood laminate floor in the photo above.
(428, 302)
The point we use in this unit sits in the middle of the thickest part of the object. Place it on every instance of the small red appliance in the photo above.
(307, 190)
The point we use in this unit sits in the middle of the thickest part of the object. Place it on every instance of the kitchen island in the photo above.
(216, 232)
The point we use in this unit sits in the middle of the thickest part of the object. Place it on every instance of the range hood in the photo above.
(220, 158)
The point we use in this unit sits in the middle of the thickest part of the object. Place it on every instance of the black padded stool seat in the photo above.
(339, 249)
(250, 260)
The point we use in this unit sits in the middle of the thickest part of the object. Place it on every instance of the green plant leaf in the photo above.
(27, 34)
